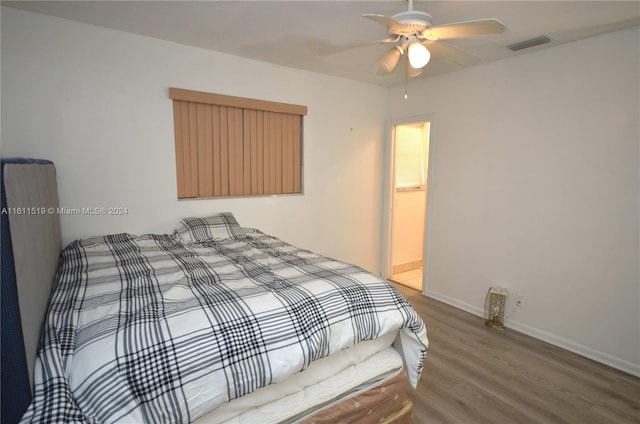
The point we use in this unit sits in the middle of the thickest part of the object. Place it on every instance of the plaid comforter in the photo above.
(147, 329)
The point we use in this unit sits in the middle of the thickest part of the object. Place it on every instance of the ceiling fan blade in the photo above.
(464, 29)
(454, 54)
(389, 60)
(393, 27)
(339, 49)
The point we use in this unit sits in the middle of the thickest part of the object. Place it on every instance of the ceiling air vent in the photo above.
(529, 43)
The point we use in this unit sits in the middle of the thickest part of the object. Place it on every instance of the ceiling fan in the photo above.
(417, 39)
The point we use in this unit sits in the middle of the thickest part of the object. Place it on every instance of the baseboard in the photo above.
(455, 302)
(571, 346)
(408, 266)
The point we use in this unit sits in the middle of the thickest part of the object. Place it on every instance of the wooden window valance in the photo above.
(234, 146)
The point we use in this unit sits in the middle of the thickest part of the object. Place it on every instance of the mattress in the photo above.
(345, 373)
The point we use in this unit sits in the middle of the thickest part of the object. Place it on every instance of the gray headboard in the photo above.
(31, 247)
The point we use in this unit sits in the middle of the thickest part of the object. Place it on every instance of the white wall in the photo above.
(95, 101)
(536, 189)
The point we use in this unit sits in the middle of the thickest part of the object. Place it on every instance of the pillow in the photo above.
(216, 227)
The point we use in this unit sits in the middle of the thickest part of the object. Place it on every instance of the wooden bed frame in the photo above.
(31, 246)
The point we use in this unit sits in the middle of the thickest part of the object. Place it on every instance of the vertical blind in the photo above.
(233, 146)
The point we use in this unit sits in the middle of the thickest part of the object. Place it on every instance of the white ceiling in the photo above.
(293, 33)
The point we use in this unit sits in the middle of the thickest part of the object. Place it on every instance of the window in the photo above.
(233, 146)
(410, 157)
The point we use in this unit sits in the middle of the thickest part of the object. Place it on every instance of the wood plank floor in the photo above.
(477, 375)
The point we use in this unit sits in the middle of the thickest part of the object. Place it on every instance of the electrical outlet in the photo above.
(519, 300)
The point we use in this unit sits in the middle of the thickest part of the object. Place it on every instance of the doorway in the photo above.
(408, 194)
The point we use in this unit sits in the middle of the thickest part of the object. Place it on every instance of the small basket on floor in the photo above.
(494, 308)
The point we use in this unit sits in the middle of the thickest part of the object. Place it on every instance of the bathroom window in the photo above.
(410, 158)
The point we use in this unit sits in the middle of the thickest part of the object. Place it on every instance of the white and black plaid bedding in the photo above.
(146, 329)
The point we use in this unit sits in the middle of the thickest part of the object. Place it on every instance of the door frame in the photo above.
(386, 266)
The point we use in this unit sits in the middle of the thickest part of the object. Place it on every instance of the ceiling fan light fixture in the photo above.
(415, 31)
(390, 59)
(419, 56)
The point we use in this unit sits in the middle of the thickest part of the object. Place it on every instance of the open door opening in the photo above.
(408, 205)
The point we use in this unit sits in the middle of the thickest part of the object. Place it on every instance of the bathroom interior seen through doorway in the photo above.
(409, 203)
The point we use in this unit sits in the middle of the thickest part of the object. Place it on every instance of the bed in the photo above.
(213, 322)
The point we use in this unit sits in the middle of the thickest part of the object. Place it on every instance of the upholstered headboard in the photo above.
(31, 247)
